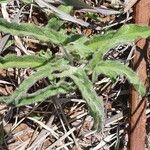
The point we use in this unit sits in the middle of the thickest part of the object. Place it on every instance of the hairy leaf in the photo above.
(43, 94)
(26, 61)
(85, 86)
(24, 29)
(115, 68)
(52, 23)
(42, 72)
(78, 48)
(126, 34)
(94, 103)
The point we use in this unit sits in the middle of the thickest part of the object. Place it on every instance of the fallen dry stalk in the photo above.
(137, 133)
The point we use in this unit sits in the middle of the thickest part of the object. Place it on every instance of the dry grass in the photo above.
(62, 122)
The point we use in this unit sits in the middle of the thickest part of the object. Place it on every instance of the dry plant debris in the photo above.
(62, 121)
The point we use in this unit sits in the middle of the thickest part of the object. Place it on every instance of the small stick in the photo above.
(129, 5)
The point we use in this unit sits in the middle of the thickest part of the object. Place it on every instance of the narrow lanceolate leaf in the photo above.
(42, 72)
(24, 29)
(43, 94)
(126, 34)
(115, 68)
(25, 85)
(27, 61)
(85, 86)
(95, 104)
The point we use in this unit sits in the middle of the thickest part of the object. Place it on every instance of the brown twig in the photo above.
(137, 132)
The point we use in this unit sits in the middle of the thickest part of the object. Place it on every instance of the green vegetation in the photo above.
(64, 76)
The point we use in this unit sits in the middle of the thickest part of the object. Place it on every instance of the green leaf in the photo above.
(26, 61)
(55, 22)
(66, 9)
(42, 72)
(95, 104)
(85, 86)
(43, 94)
(113, 69)
(21, 91)
(52, 23)
(127, 33)
(26, 29)
(78, 48)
